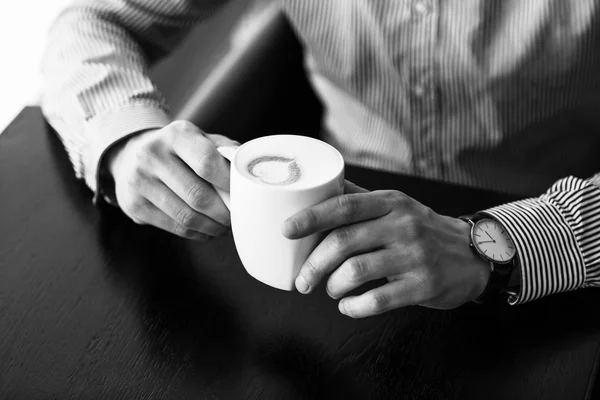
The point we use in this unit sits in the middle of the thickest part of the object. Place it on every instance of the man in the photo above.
(492, 94)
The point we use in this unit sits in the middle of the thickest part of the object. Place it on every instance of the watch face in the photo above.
(492, 241)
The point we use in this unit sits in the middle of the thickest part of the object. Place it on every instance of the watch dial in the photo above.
(492, 240)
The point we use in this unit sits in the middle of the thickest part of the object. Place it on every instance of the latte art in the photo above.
(287, 162)
(275, 170)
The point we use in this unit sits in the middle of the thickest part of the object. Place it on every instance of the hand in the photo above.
(425, 256)
(163, 178)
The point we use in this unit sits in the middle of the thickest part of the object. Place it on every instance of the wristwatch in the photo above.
(491, 241)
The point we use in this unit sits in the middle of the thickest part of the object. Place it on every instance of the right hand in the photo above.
(164, 177)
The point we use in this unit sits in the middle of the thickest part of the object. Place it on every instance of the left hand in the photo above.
(425, 256)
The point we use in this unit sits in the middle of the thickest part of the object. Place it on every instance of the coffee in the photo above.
(288, 161)
(275, 170)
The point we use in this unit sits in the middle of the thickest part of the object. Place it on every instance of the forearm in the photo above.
(95, 69)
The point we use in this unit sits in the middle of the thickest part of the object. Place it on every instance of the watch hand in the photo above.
(490, 237)
(486, 241)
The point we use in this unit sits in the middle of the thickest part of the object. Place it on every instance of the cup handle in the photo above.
(228, 153)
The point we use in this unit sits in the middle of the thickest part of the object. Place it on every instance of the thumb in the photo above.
(224, 145)
(221, 141)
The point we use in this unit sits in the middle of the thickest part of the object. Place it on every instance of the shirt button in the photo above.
(419, 90)
(422, 90)
(422, 164)
(421, 8)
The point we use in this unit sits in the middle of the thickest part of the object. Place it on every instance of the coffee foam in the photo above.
(275, 170)
(288, 161)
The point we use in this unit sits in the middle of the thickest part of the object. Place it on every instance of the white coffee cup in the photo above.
(258, 209)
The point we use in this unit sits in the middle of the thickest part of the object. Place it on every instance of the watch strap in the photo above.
(497, 285)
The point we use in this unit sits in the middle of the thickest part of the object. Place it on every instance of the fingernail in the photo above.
(301, 285)
(331, 294)
(342, 307)
(290, 228)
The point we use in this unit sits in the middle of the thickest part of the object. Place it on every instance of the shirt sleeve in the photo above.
(557, 237)
(96, 88)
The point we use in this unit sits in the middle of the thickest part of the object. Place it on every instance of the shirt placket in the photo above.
(421, 75)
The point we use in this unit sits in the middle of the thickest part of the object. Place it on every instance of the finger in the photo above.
(153, 216)
(183, 215)
(335, 212)
(392, 295)
(193, 190)
(200, 154)
(361, 269)
(221, 141)
(337, 247)
(350, 187)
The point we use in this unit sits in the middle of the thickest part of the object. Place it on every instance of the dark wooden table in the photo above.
(93, 306)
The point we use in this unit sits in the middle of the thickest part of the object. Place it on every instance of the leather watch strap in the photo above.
(496, 288)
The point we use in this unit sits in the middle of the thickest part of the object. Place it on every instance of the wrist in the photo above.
(109, 165)
(106, 182)
(112, 158)
(116, 152)
(478, 267)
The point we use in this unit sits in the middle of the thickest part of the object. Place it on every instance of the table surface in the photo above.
(94, 306)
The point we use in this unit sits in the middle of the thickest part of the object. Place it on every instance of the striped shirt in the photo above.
(490, 94)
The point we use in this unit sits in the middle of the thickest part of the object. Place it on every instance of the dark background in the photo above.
(267, 93)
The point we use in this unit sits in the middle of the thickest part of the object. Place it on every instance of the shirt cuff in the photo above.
(108, 128)
(549, 257)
